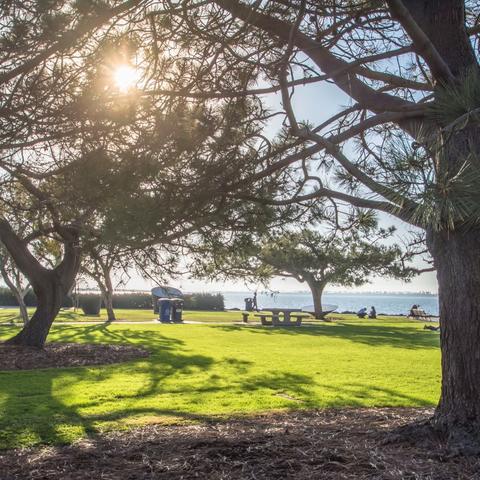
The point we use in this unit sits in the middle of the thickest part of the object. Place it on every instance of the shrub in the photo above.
(90, 303)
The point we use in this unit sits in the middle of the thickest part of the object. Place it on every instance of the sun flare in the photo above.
(125, 77)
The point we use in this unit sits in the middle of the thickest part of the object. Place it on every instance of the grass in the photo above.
(9, 315)
(200, 372)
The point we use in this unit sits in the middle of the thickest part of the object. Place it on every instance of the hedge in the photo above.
(7, 299)
(204, 301)
(193, 301)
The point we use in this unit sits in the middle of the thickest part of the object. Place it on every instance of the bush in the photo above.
(90, 303)
(204, 301)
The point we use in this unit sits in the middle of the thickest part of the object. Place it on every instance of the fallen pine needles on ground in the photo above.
(325, 444)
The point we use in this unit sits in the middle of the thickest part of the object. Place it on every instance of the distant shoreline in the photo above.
(328, 292)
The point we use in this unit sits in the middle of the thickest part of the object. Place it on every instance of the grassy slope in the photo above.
(199, 371)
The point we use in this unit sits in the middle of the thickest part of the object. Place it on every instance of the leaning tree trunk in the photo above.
(317, 291)
(49, 285)
(457, 259)
(49, 301)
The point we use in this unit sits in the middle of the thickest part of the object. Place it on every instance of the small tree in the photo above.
(110, 264)
(15, 281)
(317, 259)
(99, 264)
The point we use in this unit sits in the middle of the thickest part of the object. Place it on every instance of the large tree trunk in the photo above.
(457, 258)
(317, 291)
(49, 301)
(49, 285)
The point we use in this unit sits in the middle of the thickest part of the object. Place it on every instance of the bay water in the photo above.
(388, 303)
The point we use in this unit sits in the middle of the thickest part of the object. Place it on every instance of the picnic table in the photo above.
(275, 316)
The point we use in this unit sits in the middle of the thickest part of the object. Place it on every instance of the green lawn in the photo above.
(11, 315)
(8, 315)
(197, 372)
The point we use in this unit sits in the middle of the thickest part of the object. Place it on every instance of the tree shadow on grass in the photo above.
(40, 407)
(7, 319)
(32, 410)
(408, 337)
(69, 316)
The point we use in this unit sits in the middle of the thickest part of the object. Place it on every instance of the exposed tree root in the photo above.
(447, 441)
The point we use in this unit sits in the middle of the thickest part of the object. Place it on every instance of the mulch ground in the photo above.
(13, 357)
(329, 444)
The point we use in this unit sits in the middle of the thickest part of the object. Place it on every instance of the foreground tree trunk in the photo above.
(457, 258)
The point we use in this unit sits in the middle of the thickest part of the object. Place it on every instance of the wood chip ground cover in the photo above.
(13, 357)
(325, 444)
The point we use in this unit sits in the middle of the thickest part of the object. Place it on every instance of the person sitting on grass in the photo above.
(362, 313)
(373, 312)
(412, 311)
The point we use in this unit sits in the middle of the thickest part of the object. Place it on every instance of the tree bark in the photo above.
(49, 301)
(17, 290)
(457, 258)
(107, 294)
(22, 307)
(49, 285)
(317, 291)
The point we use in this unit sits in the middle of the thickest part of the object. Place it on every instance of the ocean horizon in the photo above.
(384, 302)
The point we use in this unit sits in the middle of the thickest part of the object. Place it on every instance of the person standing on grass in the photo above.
(254, 302)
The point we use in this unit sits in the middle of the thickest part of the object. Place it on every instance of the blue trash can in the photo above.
(165, 309)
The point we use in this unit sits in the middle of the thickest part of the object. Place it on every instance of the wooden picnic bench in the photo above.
(275, 319)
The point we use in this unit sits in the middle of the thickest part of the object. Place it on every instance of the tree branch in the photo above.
(423, 45)
(376, 101)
